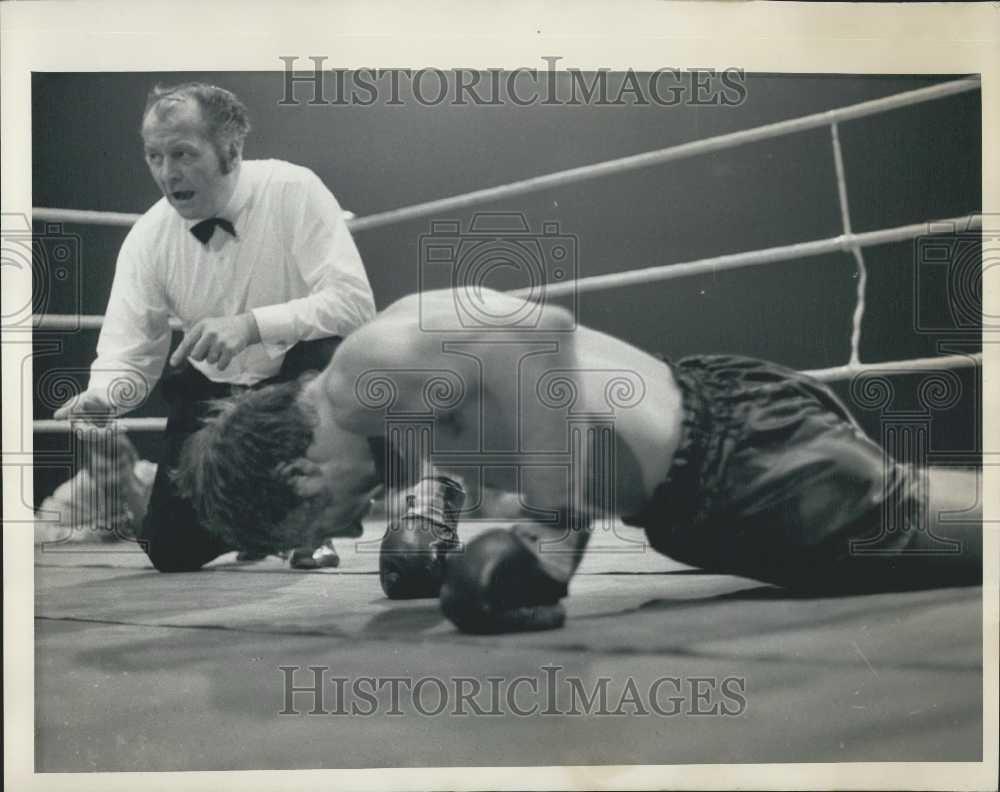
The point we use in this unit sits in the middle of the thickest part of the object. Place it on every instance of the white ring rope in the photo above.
(829, 117)
(671, 154)
(72, 322)
(660, 272)
(599, 169)
(753, 258)
(846, 241)
(859, 259)
(50, 426)
(83, 216)
(896, 367)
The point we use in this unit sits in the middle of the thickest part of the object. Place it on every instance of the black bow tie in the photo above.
(203, 231)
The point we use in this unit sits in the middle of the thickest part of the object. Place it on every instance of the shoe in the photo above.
(323, 557)
(247, 556)
(354, 532)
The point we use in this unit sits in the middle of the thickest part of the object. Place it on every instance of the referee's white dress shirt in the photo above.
(292, 263)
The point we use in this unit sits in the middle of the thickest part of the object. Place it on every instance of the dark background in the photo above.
(904, 166)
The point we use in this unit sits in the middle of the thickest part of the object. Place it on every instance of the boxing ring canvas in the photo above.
(832, 223)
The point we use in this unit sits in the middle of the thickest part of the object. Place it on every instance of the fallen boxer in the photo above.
(734, 465)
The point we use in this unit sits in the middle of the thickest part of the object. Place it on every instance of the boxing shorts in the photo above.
(773, 479)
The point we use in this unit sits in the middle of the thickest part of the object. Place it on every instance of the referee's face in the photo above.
(184, 163)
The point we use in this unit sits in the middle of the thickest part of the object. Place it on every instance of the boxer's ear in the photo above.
(303, 475)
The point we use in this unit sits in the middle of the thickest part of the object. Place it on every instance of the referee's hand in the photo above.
(217, 341)
(85, 405)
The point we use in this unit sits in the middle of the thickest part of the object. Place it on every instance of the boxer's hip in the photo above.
(772, 477)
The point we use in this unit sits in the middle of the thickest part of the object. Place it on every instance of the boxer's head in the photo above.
(193, 137)
(257, 478)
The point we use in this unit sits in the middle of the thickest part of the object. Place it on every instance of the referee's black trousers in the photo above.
(171, 534)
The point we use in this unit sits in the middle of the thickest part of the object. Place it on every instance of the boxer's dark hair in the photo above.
(230, 468)
(226, 121)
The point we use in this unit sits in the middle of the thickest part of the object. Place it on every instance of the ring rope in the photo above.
(896, 367)
(660, 272)
(846, 241)
(859, 259)
(670, 154)
(83, 216)
(599, 169)
(753, 258)
(829, 117)
(72, 322)
(51, 426)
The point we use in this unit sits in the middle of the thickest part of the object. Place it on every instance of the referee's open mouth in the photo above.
(182, 196)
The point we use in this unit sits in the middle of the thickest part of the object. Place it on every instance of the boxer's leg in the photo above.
(838, 515)
(956, 512)
(944, 544)
(788, 489)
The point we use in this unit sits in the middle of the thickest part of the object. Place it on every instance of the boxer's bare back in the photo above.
(512, 396)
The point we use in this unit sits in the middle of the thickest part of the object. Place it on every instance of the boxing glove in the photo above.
(497, 585)
(413, 550)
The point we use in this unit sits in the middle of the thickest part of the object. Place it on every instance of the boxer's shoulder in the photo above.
(390, 340)
(472, 310)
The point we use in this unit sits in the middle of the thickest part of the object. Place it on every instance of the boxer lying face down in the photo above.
(730, 464)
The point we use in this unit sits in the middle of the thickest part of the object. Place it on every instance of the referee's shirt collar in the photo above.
(237, 201)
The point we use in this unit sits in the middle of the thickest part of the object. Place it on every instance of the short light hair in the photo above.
(230, 469)
(226, 121)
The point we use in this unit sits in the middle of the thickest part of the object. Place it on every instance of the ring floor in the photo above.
(137, 670)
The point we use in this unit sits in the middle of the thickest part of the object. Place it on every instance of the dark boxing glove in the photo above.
(497, 585)
(412, 555)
